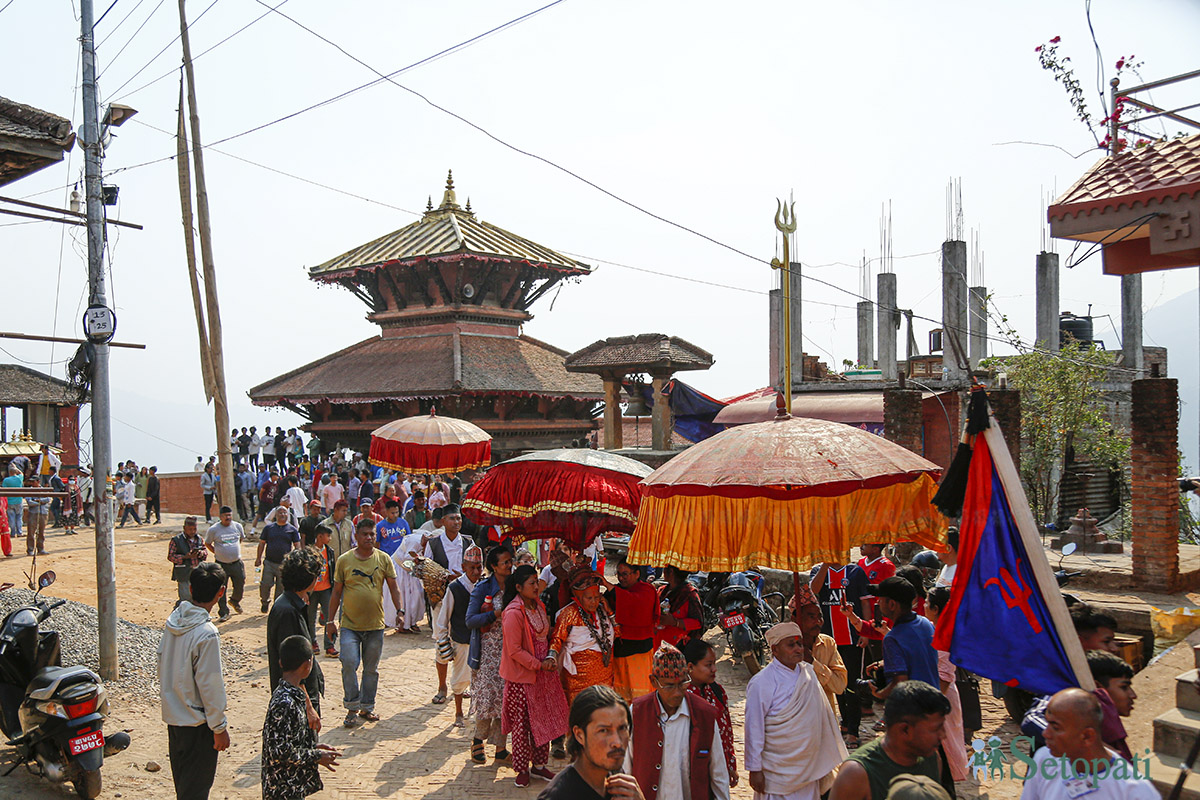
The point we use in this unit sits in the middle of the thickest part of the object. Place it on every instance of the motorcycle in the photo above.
(745, 616)
(53, 715)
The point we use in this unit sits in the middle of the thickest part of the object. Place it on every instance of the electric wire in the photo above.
(6, 5)
(105, 14)
(129, 41)
(117, 27)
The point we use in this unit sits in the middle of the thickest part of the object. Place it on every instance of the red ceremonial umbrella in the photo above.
(430, 444)
(571, 494)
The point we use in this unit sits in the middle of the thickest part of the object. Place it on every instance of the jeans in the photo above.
(193, 760)
(319, 597)
(185, 591)
(209, 499)
(130, 508)
(365, 647)
(14, 522)
(271, 576)
(236, 572)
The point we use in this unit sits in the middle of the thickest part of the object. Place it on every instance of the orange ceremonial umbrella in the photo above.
(430, 444)
(784, 494)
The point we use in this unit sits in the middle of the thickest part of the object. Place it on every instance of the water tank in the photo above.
(1075, 327)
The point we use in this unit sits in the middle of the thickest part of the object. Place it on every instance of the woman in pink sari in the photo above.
(534, 710)
(952, 732)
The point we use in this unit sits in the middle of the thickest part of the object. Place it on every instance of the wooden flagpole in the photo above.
(226, 490)
(189, 243)
(1042, 574)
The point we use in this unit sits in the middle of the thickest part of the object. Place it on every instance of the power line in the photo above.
(129, 41)
(117, 27)
(173, 70)
(6, 5)
(105, 14)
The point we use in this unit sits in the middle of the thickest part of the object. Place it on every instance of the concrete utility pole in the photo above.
(977, 311)
(106, 575)
(1046, 294)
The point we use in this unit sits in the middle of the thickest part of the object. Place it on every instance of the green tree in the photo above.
(1061, 407)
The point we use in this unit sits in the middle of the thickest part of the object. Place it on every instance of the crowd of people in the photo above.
(559, 662)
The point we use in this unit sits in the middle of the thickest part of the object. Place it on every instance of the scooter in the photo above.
(745, 617)
(53, 715)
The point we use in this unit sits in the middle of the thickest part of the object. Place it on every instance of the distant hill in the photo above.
(1174, 325)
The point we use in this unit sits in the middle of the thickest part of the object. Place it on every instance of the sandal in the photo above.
(369, 716)
(477, 751)
(439, 699)
(502, 755)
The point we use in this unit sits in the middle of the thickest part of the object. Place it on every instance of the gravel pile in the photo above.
(137, 645)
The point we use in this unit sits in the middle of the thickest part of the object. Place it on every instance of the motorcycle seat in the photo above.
(742, 591)
(50, 679)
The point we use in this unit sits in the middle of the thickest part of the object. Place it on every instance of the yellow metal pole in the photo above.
(785, 223)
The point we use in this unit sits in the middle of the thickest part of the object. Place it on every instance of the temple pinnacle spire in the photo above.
(448, 199)
(429, 203)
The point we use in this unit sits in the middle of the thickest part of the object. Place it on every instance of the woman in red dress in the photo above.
(682, 613)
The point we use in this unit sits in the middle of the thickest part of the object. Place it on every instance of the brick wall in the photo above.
(1006, 406)
(1154, 414)
(179, 493)
(903, 421)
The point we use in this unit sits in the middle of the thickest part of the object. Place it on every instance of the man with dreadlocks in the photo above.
(584, 635)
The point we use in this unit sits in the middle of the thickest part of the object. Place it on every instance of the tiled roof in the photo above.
(449, 230)
(425, 366)
(26, 122)
(20, 385)
(644, 351)
(1158, 170)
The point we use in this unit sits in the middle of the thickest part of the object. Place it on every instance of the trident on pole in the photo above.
(785, 223)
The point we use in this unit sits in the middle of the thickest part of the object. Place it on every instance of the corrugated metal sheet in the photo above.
(1087, 486)
(449, 231)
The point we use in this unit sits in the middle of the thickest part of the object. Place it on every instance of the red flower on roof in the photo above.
(1056, 40)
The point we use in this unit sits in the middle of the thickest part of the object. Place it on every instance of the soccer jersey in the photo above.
(841, 583)
(388, 535)
(877, 570)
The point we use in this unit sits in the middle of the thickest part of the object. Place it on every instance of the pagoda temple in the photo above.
(449, 293)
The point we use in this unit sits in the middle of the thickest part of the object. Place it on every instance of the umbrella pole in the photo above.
(795, 594)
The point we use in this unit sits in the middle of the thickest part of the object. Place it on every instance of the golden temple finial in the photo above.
(468, 205)
(448, 199)
(429, 203)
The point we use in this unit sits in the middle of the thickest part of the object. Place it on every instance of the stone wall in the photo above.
(1154, 415)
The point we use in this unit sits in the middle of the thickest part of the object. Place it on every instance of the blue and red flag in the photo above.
(997, 623)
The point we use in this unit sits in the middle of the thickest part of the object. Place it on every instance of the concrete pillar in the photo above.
(1046, 281)
(888, 323)
(954, 308)
(866, 334)
(660, 415)
(793, 276)
(1131, 325)
(612, 412)
(903, 419)
(1154, 488)
(775, 336)
(1006, 406)
(978, 323)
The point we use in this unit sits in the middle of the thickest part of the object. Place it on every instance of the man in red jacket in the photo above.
(675, 751)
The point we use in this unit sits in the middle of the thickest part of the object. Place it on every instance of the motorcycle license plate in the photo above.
(732, 620)
(89, 741)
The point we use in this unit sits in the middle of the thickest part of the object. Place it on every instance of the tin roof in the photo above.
(447, 231)
(429, 366)
(645, 351)
(1161, 169)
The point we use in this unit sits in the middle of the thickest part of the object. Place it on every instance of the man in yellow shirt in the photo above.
(359, 580)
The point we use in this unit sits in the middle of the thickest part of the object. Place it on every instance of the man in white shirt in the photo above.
(447, 548)
(412, 591)
(255, 448)
(268, 447)
(299, 501)
(129, 500)
(1073, 720)
(793, 742)
(675, 733)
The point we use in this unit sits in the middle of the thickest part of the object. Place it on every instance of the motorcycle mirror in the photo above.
(1069, 548)
(46, 578)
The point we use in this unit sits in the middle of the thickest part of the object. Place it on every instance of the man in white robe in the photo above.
(412, 591)
(793, 743)
(450, 627)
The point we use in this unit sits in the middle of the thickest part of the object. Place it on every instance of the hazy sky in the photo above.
(699, 112)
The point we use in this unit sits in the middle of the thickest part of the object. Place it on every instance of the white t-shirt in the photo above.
(549, 577)
(1118, 783)
(454, 551)
(330, 494)
(255, 445)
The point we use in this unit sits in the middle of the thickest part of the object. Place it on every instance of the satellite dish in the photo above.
(468, 291)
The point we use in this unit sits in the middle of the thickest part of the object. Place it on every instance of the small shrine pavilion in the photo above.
(450, 293)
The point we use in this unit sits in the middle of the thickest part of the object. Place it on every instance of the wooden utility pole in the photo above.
(189, 243)
(227, 491)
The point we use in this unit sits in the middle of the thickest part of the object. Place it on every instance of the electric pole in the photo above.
(99, 325)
